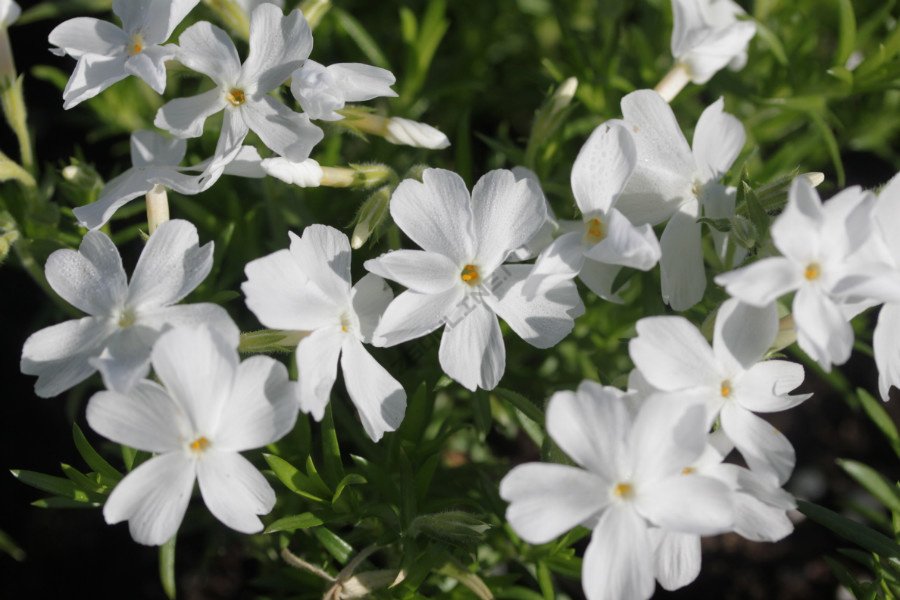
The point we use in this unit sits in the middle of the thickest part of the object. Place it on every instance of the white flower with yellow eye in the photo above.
(107, 54)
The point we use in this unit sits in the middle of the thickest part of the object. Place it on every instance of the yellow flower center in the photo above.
(688, 470)
(624, 490)
(726, 388)
(200, 444)
(236, 96)
(596, 230)
(127, 318)
(136, 45)
(813, 270)
(470, 274)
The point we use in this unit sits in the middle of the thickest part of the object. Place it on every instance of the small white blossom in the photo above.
(107, 54)
(307, 288)
(707, 35)
(125, 319)
(209, 408)
(460, 278)
(322, 90)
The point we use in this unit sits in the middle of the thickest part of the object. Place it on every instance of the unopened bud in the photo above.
(453, 526)
(306, 173)
(814, 178)
(413, 133)
(81, 175)
(373, 174)
(314, 10)
(370, 216)
(549, 116)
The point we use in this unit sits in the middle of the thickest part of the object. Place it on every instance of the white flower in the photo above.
(323, 90)
(209, 408)
(459, 279)
(728, 378)
(706, 36)
(605, 239)
(125, 318)
(155, 159)
(672, 182)
(307, 288)
(633, 479)
(107, 54)
(278, 46)
(818, 243)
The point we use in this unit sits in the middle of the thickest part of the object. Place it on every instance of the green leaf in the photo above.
(358, 34)
(846, 32)
(881, 418)
(8, 545)
(50, 483)
(338, 548)
(59, 502)
(528, 408)
(419, 409)
(481, 411)
(350, 479)
(92, 458)
(545, 581)
(844, 576)
(331, 451)
(831, 143)
(94, 490)
(133, 458)
(293, 479)
(883, 490)
(294, 522)
(851, 530)
(167, 567)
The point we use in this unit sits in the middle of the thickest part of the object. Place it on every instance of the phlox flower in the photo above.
(633, 479)
(819, 245)
(460, 279)
(125, 318)
(209, 408)
(107, 54)
(322, 90)
(278, 46)
(307, 288)
(729, 378)
(673, 182)
(706, 36)
(605, 240)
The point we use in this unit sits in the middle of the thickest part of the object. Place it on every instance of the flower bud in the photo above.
(370, 216)
(412, 133)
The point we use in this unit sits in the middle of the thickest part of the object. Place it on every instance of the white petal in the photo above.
(317, 361)
(261, 409)
(506, 214)
(681, 266)
(546, 500)
(369, 298)
(765, 386)
(765, 449)
(286, 132)
(419, 270)
(561, 260)
(542, 321)
(306, 173)
(626, 245)
(379, 397)
(360, 82)
(153, 498)
(590, 427)
(118, 192)
(317, 92)
(677, 558)
(618, 563)
(762, 282)
(718, 139)
(248, 163)
(91, 279)
(689, 503)
(743, 333)
(602, 168)
(757, 521)
(231, 139)
(150, 66)
(194, 316)
(436, 214)
(150, 147)
(717, 50)
(668, 434)
(673, 355)
(278, 45)
(171, 266)
(85, 35)
(599, 278)
(197, 367)
(207, 49)
(414, 314)
(822, 330)
(185, 117)
(688, 26)
(279, 293)
(472, 350)
(93, 74)
(796, 230)
(59, 355)
(887, 350)
(126, 358)
(323, 254)
(233, 490)
(887, 212)
(146, 418)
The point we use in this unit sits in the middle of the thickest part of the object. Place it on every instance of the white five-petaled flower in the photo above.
(125, 318)
(706, 36)
(728, 378)
(107, 54)
(633, 479)
(460, 278)
(605, 240)
(209, 408)
(322, 90)
(307, 288)
(673, 182)
(819, 245)
(278, 46)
